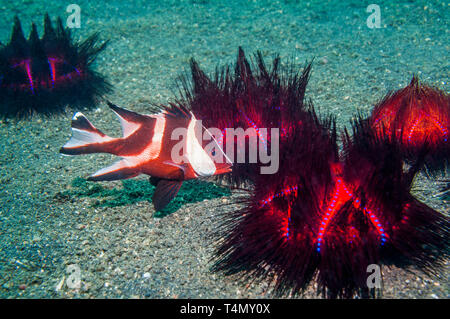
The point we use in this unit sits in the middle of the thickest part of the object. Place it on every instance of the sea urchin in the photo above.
(45, 75)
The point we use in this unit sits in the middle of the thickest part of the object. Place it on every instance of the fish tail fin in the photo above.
(86, 138)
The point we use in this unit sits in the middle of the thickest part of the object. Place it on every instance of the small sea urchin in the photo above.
(46, 75)
(418, 116)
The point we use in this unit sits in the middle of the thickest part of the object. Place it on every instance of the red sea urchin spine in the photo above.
(339, 198)
(284, 192)
(342, 194)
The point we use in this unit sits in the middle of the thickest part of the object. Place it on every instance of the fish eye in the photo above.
(213, 152)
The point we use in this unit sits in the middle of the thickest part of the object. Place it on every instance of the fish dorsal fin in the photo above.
(176, 110)
(130, 121)
(165, 191)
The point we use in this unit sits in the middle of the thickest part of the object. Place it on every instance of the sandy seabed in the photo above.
(125, 251)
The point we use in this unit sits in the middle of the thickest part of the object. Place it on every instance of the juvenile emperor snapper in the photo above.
(146, 148)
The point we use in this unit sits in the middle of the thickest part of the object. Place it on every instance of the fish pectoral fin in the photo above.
(180, 166)
(165, 191)
(183, 169)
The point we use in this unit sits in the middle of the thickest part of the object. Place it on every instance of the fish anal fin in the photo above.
(165, 191)
(119, 170)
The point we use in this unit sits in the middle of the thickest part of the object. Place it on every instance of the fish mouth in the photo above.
(223, 168)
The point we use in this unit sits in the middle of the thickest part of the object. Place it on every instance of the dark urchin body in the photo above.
(374, 165)
(328, 218)
(273, 236)
(46, 75)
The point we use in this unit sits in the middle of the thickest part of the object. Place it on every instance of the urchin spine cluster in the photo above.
(325, 214)
(46, 75)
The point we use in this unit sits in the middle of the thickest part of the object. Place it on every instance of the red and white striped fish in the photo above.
(146, 148)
